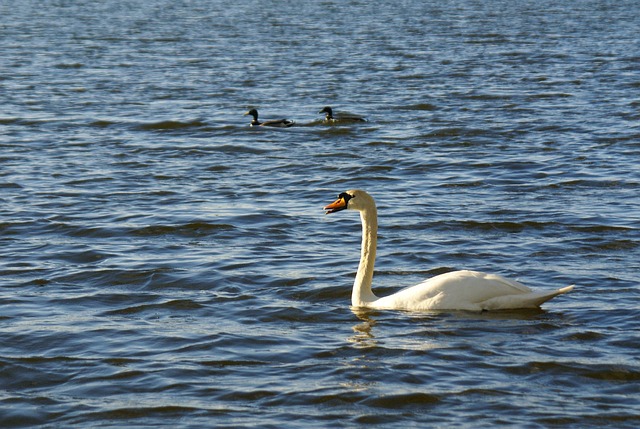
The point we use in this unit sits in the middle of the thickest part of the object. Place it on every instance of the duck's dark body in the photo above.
(283, 123)
(340, 118)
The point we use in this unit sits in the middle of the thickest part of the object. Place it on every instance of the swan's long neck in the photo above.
(362, 294)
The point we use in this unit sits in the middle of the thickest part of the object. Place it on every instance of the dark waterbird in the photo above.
(340, 117)
(271, 123)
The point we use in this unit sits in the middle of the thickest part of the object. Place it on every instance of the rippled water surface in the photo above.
(163, 264)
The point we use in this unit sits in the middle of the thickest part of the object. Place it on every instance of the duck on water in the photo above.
(283, 123)
(340, 118)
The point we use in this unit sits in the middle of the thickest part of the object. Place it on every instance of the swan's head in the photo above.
(252, 112)
(328, 110)
(355, 199)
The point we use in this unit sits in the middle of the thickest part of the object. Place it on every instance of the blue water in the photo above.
(163, 264)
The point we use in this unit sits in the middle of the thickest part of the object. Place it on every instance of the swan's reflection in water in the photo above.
(420, 335)
(382, 347)
(363, 336)
(392, 354)
(440, 330)
(362, 369)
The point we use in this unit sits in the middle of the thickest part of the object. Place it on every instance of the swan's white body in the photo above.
(457, 290)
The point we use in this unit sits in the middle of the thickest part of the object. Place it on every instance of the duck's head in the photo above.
(328, 111)
(252, 112)
(354, 199)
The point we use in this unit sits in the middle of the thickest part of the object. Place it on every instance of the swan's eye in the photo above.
(346, 197)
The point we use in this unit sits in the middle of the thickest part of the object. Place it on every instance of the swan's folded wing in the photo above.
(525, 300)
(519, 287)
(456, 290)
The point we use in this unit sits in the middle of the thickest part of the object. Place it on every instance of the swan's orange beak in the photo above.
(336, 206)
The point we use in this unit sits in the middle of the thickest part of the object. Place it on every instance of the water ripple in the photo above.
(165, 264)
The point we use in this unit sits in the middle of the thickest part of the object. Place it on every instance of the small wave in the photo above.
(590, 183)
(618, 138)
(82, 256)
(190, 229)
(585, 336)
(470, 184)
(602, 228)
(25, 122)
(486, 38)
(338, 130)
(233, 363)
(457, 132)
(173, 305)
(218, 168)
(420, 107)
(69, 66)
(170, 125)
(490, 96)
(604, 372)
(251, 396)
(400, 401)
(239, 149)
(126, 414)
(380, 143)
(102, 123)
(498, 226)
(412, 76)
(9, 185)
(609, 246)
(546, 95)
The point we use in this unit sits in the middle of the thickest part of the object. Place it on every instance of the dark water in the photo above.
(165, 265)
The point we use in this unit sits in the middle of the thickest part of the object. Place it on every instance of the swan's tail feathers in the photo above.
(525, 300)
(544, 297)
(565, 289)
(539, 298)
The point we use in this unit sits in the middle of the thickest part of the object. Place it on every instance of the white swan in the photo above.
(457, 290)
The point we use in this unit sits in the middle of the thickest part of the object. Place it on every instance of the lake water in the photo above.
(163, 264)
